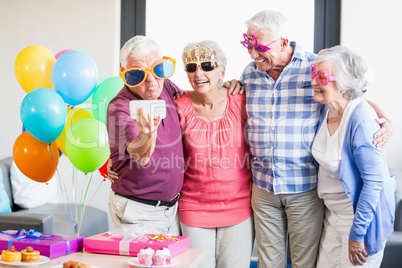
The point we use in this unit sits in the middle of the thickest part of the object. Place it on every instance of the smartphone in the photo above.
(153, 107)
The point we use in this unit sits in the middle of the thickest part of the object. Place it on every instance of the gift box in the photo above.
(49, 245)
(131, 246)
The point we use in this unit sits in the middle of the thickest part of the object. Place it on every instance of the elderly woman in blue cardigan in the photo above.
(353, 178)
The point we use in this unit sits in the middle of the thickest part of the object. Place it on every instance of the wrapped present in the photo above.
(131, 245)
(49, 245)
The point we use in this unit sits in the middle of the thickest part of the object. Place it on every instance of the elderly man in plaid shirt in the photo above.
(282, 121)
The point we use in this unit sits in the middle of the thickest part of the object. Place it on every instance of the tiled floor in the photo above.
(254, 264)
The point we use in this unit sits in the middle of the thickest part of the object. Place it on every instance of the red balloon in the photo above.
(103, 169)
(36, 160)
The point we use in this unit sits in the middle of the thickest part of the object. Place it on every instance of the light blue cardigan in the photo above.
(366, 181)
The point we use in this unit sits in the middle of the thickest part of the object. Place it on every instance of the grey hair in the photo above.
(349, 70)
(220, 56)
(269, 22)
(137, 47)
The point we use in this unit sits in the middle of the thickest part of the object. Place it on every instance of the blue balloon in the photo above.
(43, 114)
(74, 76)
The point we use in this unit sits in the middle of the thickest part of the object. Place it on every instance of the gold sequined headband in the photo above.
(199, 54)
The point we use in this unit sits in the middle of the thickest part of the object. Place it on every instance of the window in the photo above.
(173, 24)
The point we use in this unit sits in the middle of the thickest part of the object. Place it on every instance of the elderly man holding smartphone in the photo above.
(147, 154)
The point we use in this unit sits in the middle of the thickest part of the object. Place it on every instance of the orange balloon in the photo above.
(33, 68)
(36, 160)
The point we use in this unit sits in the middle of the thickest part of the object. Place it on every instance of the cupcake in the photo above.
(145, 256)
(11, 255)
(162, 257)
(30, 255)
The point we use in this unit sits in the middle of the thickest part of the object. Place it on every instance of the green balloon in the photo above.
(87, 145)
(103, 94)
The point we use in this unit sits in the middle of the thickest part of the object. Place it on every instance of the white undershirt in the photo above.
(327, 150)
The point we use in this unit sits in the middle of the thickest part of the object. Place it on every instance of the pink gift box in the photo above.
(107, 244)
(49, 245)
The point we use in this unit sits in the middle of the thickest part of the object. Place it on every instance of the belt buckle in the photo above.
(172, 201)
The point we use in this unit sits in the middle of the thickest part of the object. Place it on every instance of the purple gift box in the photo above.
(49, 245)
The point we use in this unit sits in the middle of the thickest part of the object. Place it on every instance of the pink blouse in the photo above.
(217, 180)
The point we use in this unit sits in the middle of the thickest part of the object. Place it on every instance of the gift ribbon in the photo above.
(124, 244)
(162, 238)
(32, 233)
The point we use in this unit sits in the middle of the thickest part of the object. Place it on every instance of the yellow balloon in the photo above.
(33, 68)
(73, 116)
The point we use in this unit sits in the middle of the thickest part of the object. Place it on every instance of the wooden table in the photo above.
(188, 259)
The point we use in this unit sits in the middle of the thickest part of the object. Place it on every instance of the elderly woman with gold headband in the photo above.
(214, 207)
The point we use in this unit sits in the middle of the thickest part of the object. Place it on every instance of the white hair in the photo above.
(349, 70)
(137, 47)
(269, 22)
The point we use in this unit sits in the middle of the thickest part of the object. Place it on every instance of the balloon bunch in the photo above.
(55, 85)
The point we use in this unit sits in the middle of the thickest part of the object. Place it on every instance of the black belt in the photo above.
(155, 203)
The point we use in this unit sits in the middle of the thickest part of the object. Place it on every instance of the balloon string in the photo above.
(52, 156)
(67, 207)
(95, 192)
(86, 191)
(65, 191)
(75, 185)
(85, 208)
(61, 181)
(77, 208)
(82, 210)
(79, 203)
(51, 153)
(58, 212)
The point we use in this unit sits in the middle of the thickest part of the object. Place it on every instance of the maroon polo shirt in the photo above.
(160, 179)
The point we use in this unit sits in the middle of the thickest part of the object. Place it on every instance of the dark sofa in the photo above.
(393, 249)
(46, 218)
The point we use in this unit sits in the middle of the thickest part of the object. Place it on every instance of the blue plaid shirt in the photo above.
(282, 121)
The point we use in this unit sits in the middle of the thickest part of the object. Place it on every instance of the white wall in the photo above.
(92, 26)
(175, 23)
(373, 30)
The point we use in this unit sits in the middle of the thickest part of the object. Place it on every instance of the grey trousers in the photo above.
(129, 214)
(225, 247)
(300, 214)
